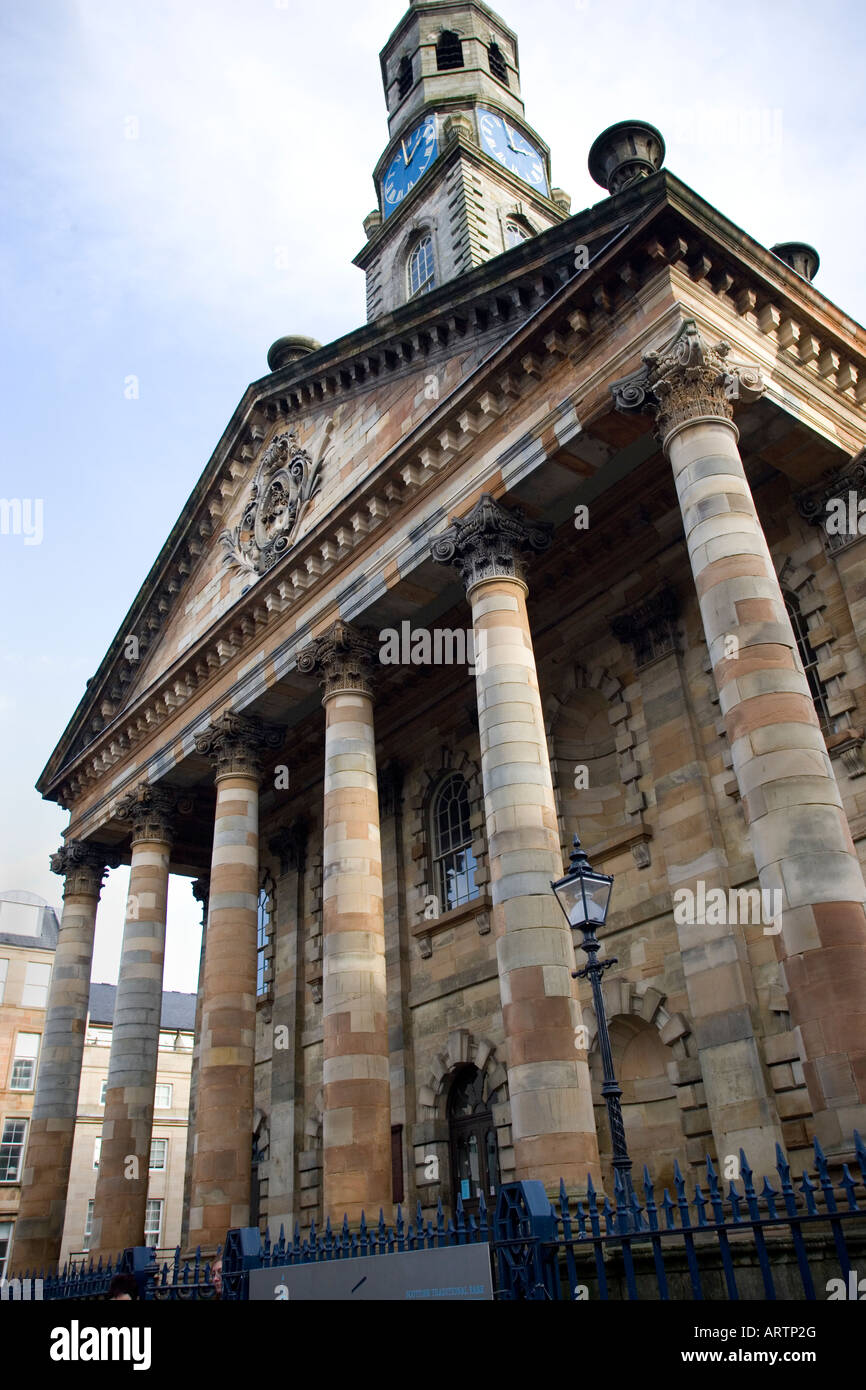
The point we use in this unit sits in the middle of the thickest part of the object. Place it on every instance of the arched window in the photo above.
(404, 77)
(453, 860)
(263, 936)
(421, 268)
(516, 230)
(497, 63)
(817, 688)
(449, 51)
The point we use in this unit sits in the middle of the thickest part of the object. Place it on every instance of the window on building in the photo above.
(97, 1150)
(4, 967)
(5, 1242)
(97, 1037)
(397, 1194)
(262, 939)
(404, 77)
(454, 862)
(24, 1063)
(153, 1222)
(162, 1095)
(810, 661)
(12, 1149)
(516, 230)
(88, 1226)
(36, 981)
(421, 268)
(496, 61)
(449, 51)
(158, 1155)
(103, 1086)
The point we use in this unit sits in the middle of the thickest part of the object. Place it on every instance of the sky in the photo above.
(182, 183)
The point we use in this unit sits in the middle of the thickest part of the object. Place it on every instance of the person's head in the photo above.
(122, 1289)
(216, 1274)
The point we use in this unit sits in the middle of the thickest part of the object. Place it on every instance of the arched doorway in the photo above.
(473, 1144)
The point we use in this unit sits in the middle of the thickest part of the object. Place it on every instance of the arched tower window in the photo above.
(449, 51)
(516, 230)
(451, 838)
(421, 267)
(817, 689)
(404, 77)
(496, 61)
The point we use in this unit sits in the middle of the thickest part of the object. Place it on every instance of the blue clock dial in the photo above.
(412, 158)
(511, 149)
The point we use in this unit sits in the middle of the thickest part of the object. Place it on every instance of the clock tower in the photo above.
(463, 177)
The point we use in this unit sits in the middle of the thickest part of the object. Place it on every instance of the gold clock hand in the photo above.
(412, 155)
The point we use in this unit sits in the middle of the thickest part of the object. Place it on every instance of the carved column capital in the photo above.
(828, 503)
(343, 659)
(201, 893)
(650, 629)
(236, 744)
(83, 864)
(151, 810)
(390, 784)
(687, 380)
(289, 844)
(491, 542)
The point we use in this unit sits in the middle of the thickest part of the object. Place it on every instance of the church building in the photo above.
(564, 540)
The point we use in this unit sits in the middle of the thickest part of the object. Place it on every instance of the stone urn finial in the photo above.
(625, 152)
(801, 257)
(290, 349)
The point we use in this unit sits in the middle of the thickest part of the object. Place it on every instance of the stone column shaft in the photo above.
(120, 1202)
(552, 1120)
(357, 1098)
(222, 1148)
(800, 836)
(39, 1227)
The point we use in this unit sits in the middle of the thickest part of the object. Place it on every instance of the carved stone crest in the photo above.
(286, 478)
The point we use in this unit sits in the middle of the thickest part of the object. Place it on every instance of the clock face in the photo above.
(511, 149)
(413, 157)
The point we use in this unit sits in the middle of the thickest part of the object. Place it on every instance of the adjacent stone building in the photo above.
(28, 938)
(553, 540)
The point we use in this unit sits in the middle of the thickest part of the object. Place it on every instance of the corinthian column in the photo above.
(798, 830)
(222, 1148)
(552, 1119)
(120, 1201)
(357, 1096)
(39, 1227)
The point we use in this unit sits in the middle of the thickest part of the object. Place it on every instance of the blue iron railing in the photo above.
(178, 1279)
(712, 1236)
(784, 1241)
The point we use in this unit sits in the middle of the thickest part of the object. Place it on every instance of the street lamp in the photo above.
(584, 896)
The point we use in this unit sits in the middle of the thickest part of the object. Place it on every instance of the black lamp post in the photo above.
(584, 896)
